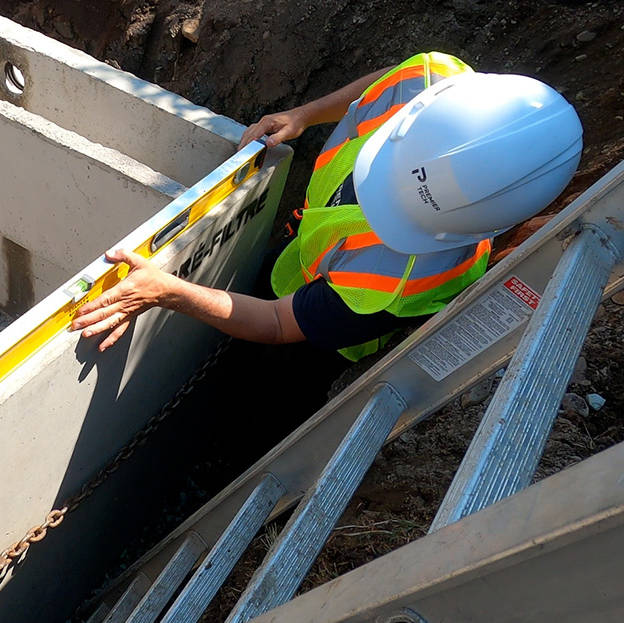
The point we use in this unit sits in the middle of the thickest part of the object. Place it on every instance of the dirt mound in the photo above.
(257, 57)
(244, 59)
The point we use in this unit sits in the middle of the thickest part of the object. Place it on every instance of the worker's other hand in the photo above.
(278, 127)
(143, 288)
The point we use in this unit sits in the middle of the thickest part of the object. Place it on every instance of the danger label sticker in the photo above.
(493, 316)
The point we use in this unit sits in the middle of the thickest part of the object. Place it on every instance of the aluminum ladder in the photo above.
(567, 267)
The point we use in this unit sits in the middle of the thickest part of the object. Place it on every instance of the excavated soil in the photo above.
(255, 57)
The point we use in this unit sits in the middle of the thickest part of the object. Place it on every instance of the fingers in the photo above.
(115, 294)
(284, 134)
(279, 127)
(100, 309)
(115, 308)
(104, 300)
(250, 134)
(99, 321)
(113, 336)
(255, 131)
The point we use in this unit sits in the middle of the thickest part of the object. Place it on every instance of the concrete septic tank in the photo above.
(93, 158)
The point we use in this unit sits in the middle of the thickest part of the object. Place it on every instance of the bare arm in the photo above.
(290, 124)
(332, 107)
(238, 315)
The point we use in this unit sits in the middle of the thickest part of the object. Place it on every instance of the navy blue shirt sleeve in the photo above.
(328, 322)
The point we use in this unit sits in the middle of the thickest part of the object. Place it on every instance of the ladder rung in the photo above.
(128, 601)
(169, 580)
(506, 449)
(291, 556)
(494, 471)
(214, 569)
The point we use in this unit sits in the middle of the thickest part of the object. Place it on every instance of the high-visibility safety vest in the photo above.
(337, 244)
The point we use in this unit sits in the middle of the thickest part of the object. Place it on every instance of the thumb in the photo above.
(134, 260)
(281, 135)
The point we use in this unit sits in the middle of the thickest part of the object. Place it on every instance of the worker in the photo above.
(428, 161)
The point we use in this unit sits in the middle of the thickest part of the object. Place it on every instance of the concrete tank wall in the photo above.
(64, 201)
(108, 106)
(88, 154)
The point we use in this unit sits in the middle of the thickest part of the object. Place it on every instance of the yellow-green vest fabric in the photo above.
(337, 244)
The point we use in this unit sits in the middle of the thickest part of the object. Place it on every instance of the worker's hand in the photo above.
(145, 286)
(278, 127)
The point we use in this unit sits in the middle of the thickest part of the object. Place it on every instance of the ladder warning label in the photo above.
(493, 316)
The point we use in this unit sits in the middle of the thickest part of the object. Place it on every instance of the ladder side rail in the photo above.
(294, 463)
(548, 553)
(510, 440)
(307, 530)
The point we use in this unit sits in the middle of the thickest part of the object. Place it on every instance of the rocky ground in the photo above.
(245, 59)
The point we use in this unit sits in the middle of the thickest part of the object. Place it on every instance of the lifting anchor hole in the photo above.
(14, 79)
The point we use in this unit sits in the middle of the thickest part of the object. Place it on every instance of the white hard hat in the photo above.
(469, 157)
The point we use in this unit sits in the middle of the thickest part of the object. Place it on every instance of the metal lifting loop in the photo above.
(405, 615)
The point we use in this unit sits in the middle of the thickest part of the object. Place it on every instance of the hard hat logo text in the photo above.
(423, 191)
(425, 196)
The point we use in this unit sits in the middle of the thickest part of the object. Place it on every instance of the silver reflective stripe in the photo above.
(324, 266)
(381, 260)
(400, 93)
(429, 264)
(350, 119)
(396, 95)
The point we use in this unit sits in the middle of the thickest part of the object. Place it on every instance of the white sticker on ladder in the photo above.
(493, 316)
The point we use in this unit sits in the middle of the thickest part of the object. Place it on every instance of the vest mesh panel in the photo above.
(323, 229)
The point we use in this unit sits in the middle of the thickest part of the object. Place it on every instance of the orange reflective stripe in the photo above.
(328, 155)
(308, 279)
(415, 286)
(372, 124)
(312, 268)
(402, 74)
(363, 128)
(422, 284)
(359, 241)
(388, 284)
(356, 241)
(364, 280)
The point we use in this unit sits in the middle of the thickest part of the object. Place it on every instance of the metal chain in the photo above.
(55, 517)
